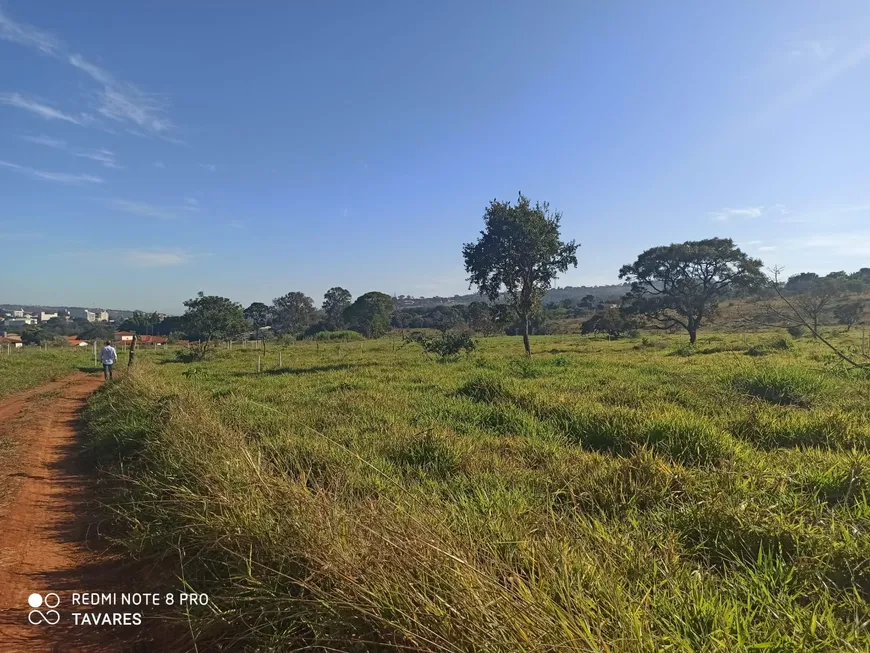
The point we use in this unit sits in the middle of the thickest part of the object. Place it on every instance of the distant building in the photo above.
(75, 342)
(153, 340)
(20, 321)
(102, 316)
(45, 317)
(124, 336)
(82, 314)
(18, 312)
(11, 341)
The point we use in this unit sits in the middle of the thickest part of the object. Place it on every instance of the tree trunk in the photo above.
(526, 336)
(693, 335)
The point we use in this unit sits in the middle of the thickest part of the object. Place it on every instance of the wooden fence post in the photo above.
(132, 351)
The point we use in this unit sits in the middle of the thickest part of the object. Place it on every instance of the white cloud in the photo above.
(60, 177)
(237, 224)
(754, 242)
(767, 248)
(116, 100)
(156, 258)
(208, 166)
(27, 35)
(42, 110)
(191, 201)
(159, 164)
(746, 212)
(56, 143)
(102, 156)
(143, 209)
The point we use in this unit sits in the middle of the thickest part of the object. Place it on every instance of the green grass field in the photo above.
(622, 496)
(31, 366)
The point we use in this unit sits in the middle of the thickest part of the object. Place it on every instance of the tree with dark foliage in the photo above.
(293, 312)
(335, 301)
(370, 314)
(210, 318)
(680, 285)
(520, 253)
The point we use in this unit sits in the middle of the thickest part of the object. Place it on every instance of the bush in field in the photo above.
(338, 336)
(448, 345)
(769, 347)
(797, 330)
(780, 385)
(610, 321)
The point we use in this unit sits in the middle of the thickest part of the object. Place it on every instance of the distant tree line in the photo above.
(513, 265)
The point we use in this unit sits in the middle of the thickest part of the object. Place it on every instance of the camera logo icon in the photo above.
(49, 617)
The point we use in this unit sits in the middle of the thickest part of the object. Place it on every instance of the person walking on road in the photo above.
(108, 356)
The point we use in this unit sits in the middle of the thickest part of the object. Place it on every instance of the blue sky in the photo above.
(152, 150)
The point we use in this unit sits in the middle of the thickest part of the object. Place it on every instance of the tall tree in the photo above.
(370, 314)
(210, 318)
(258, 314)
(293, 312)
(520, 253)
(682, 284)
(335, 301)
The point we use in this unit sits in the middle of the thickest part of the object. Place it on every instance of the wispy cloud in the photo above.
(237, 224)
(156, 258)
(159, 164)
(723, 215)
(27, 35)
(211, 167)
(767, 248)
(143, 209)
(125, 102)
(102, 156)
(746, 212)
(116, 100)
(35, 107)
(60, 177)
(47, 141)
(191, 201)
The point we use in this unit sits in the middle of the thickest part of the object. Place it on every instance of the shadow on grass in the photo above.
(89, 369)
(306, 370)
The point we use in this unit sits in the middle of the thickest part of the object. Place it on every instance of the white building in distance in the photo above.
(82, 314)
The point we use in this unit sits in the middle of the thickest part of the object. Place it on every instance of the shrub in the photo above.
(769, 347)
(779, 385)
(339, 336)
(448, 345)
(797, 331)
(684, 350)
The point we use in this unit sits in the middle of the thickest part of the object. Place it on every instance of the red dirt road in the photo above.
(49, 536)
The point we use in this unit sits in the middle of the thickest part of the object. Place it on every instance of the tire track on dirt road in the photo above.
(48, 530)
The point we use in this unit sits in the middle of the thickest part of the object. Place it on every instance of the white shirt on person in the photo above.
(108, 355)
